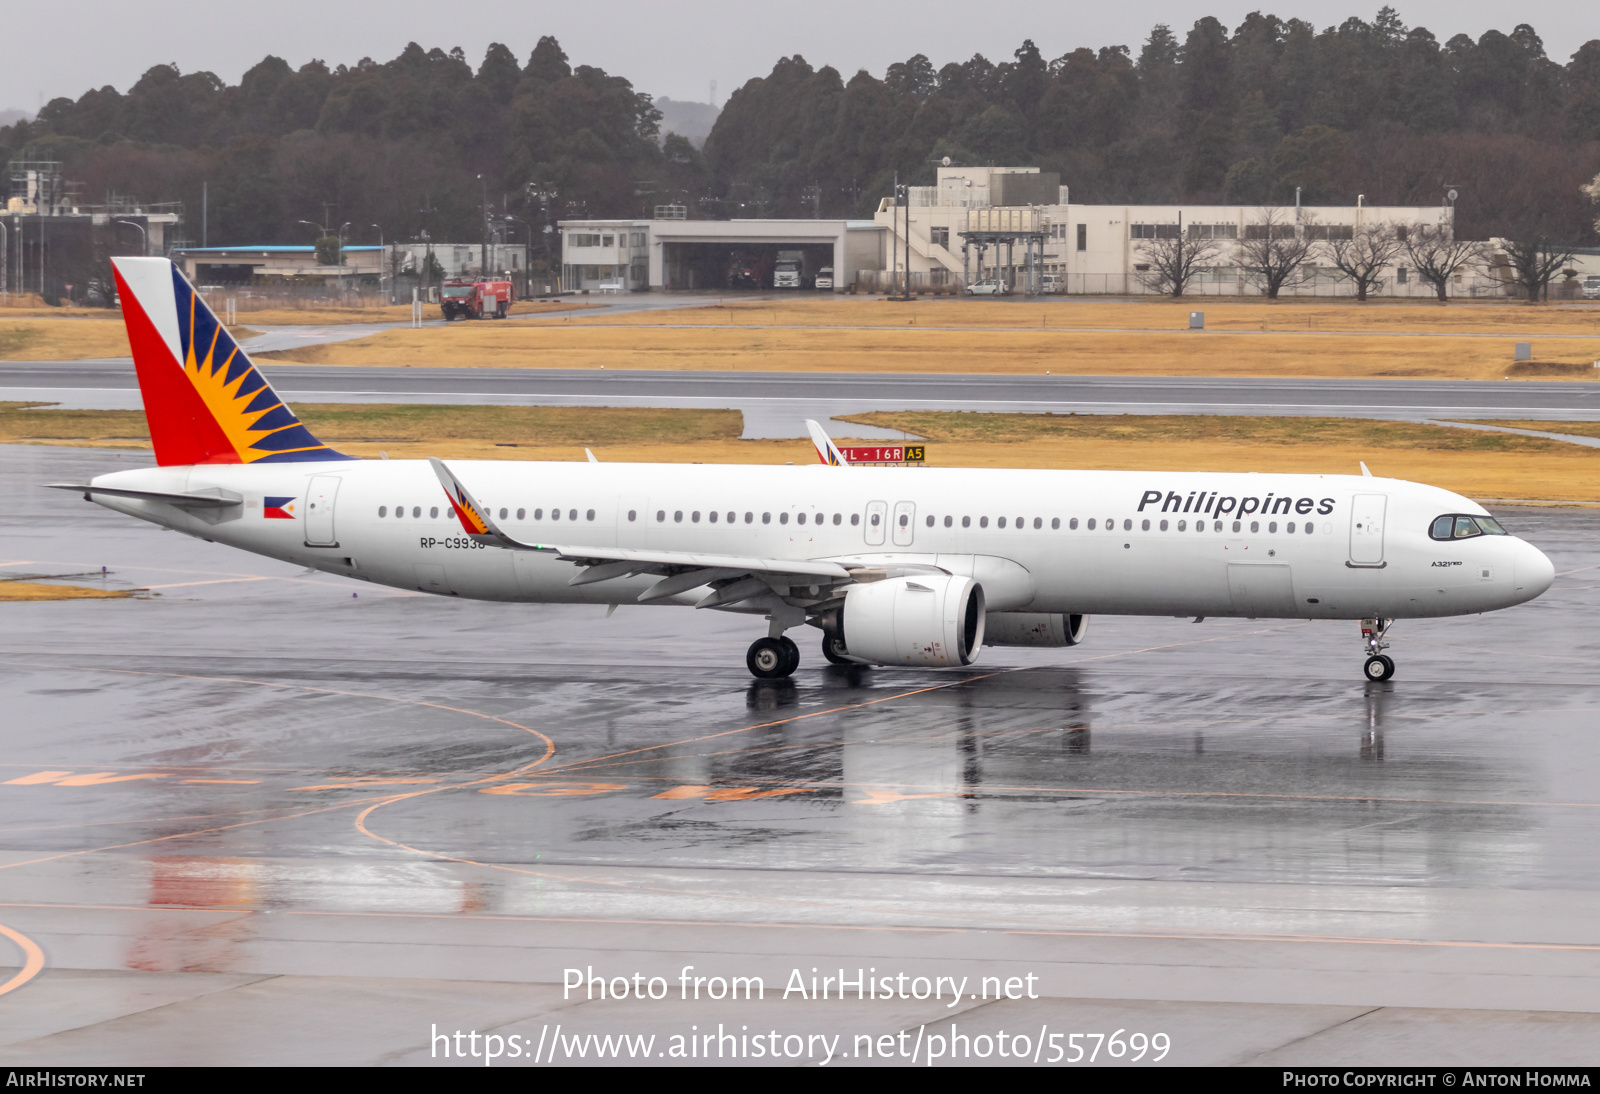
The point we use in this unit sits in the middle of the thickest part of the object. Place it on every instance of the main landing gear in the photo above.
(1379, 666)
(772, 658)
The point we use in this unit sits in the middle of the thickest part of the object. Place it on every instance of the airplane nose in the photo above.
(1534, 572)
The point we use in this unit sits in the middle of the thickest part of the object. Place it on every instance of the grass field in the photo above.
(1483, 465)
(957, 336)
(34, 590)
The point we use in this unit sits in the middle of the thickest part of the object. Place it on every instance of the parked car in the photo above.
(988, 287)
(1054, 283)
(1591, 287)
(825, 278)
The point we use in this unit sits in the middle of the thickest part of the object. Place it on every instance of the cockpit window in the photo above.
(1464, 526)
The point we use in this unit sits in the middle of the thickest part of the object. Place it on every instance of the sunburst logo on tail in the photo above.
(249, 413)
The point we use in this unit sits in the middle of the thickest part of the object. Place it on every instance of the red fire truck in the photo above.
(462, 299)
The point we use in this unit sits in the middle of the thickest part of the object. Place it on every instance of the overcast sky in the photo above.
(665, 48)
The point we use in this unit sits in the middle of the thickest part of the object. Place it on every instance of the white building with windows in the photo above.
(950, 229)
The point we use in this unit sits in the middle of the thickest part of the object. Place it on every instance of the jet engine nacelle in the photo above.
(935, 620)
(1034, 629)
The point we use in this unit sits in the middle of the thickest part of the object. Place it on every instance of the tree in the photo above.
(1273, 250)
(1535, 259)
(328, 251)
(1173, 259)
(1438, 256)
(1363, 257)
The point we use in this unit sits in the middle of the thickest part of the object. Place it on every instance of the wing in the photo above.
(733, 578)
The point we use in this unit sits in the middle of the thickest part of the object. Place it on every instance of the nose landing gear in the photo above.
(1379, 666)
(772, 658)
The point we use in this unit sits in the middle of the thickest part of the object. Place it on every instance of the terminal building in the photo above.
(1014, 225)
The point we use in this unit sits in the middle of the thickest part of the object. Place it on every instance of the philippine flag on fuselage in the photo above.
(277, 508)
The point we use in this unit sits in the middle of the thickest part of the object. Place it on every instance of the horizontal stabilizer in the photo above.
(215, 499)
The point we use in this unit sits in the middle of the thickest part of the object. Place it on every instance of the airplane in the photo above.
(895, 566)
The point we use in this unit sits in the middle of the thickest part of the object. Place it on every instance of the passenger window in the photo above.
(855, 519)
(1310, 527)
(1144, 526)
(748, 517)
(632, 514)
(383, 510)
(783, 518)
(694, 517)
(589, 515)
(1183, 526)
(1111, 524)
(966, 522)
(1001, 523)
(1038, 522)
(1020, 522)
(1218, 527)
(930, 522)
(1272, 526)
(522, 513)
(416, 511)
(838, 519)
(1055, 524)
(555, 514)
(766, 518)
(1237, 525)
(1465, 527)
(572, 514)
(712, 516)
(1199, 526)
(731, 517)
(677, 516)
(433, 513)
(661, 515)
(983, 522)
(799, 518)
(1072, 525)
(1289, 527)
(1127, 525)
(538, 514)
(1163, 526)
(1255, 526)
(875, 520)
(948, 521)
(1090, 525)
(904, 520)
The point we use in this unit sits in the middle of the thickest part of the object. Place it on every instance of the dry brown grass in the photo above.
(31, 590)
(614, 344)
(1484, 465)
(1151, 314)
(1579, 429)
(324, 315)
(61, 339)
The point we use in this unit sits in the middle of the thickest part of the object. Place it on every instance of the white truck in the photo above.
(824, 281)
(789, 271)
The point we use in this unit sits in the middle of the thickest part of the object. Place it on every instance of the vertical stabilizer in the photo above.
(203, 398)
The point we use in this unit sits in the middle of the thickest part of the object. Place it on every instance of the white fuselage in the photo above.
(1310, 546)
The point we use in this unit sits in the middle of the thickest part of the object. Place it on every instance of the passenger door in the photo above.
(1366, 529)
(319, 511)
(877, 512)
(905, 523)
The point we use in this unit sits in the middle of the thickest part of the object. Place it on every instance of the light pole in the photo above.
(144, 236)
(483, 257)
(342, 227)
(527, 274)
(5, 261)
(383, 257)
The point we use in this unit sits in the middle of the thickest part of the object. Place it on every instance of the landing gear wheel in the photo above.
(768, 660)
(833, 650)
(1379, 667)
(793, 652)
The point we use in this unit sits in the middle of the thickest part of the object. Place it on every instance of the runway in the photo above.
(775, 403)
(249, 817)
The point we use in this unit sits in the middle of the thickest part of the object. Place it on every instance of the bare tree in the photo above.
(1273, 250)
(1173, 259)
(1438, 255)
(1363, 256)
(1535, 259)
